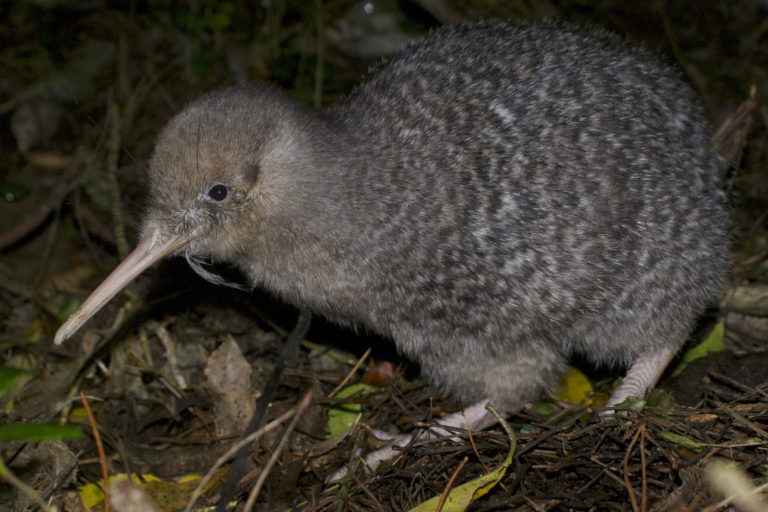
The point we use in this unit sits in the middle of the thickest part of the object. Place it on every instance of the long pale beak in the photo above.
(151, 249)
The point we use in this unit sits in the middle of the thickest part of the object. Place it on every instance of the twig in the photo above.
(287, 356)
(731, 136)
(110, 173)
(442, 10)
(99, 447)
(50, 240)
(447, 489)
(367, 491)
(303, 404)
(627, 456)
(66, 184)
(474, 446)
(549, 433)
(736, 384)
(350, 374)
(232, 451)
(79, 219)
(607, 470)
(88, 221)
(133, 104)
(738, 418)
(693, 76)
(472, 442)
(7, 475)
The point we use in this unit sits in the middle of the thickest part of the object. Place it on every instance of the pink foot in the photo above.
(642, 376)
(474, 418)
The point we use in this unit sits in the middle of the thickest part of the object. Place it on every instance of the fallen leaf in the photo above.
(462, 496)
(341, 417)
(713, 343)
(574, 387)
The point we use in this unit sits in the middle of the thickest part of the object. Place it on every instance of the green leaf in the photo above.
(543, 408)
(38, 432)
(679, 440)
(713, 343)
(67, 310)
(343, 416)
(9, 375)
(631, 403)
(12, 191)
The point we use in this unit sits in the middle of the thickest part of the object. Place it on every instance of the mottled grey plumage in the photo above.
(495, 198)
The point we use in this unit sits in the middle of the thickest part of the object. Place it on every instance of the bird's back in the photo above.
(525, 178)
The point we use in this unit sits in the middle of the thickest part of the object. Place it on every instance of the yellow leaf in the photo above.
(460, 497)
(77, 415)
(574, 387)
(168, 494)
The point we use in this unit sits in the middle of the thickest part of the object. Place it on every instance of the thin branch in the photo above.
(99, 447)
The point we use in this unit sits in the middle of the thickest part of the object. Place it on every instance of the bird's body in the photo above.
(495, 199)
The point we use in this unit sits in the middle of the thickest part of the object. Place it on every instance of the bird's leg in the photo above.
(473, 418)
(642, 375)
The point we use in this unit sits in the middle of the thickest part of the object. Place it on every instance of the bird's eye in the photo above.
(218, 192)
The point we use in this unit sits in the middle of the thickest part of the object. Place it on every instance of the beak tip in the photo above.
(61, 335)
(68, 328)
(146, 253)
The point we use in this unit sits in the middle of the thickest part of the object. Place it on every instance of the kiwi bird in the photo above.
(495, 198)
